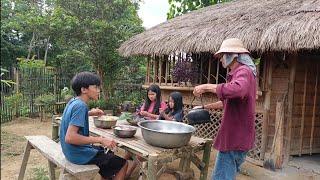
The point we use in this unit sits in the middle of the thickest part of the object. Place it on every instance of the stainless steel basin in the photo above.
(166, 134)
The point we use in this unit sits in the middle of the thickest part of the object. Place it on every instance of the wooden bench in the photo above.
(53, 152)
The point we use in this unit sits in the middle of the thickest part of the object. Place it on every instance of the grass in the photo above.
(10, 144)
(39, 173)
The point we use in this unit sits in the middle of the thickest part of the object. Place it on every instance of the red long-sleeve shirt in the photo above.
(237, 130)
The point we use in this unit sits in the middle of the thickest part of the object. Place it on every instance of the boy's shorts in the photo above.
(109, 163)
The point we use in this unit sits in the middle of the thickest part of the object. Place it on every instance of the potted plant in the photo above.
(185, 72)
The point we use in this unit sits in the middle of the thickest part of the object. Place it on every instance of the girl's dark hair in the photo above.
(84, 80)
(156, 89)
(178, 103)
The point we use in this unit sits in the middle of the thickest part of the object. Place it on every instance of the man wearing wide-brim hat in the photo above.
(237, 96)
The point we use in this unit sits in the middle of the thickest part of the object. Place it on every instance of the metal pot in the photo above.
(198, 116)
(166, 134)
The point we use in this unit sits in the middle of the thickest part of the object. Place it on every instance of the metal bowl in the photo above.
(166, 134)
(124, 131)
(135, 119)
(105, 122)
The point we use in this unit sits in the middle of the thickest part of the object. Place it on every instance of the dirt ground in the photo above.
(13, 144)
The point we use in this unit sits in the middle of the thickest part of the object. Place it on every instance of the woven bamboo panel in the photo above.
(210, 130)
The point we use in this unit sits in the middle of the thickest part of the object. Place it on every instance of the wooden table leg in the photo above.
(152, 170)
(51, 170)
(26, 155)
(205, 159)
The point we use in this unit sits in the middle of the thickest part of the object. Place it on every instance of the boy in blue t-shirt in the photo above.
(74, 130)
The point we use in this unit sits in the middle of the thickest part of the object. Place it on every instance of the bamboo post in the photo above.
(206, 159)
(201, 69)
(154, 70)
(171, 67)
(217, 74)
(167, 71)
(278, 148)
(209, 71)
(266, 104)
(314, 109)
(303, 109)
(147, 80)
(290, 104)
(55, 85)
(160, 71)
(152, 170)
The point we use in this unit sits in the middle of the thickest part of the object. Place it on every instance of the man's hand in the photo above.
(109, 143)
(198, 90)
(96, 112)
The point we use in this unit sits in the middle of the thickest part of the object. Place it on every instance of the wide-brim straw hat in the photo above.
(232, 45)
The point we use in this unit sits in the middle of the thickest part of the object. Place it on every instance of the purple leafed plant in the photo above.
(184, 71)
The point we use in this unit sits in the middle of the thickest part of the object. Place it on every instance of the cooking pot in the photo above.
(198, 116)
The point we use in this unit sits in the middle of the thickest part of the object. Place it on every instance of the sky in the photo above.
(153, 12)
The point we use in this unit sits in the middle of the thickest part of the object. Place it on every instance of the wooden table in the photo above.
(156, 158)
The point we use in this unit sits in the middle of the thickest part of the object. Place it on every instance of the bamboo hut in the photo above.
(283, 35)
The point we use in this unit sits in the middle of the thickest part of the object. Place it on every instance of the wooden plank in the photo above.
(303, 107)
(290, 104)
(52, 151)
(314, 109)
(266, 106)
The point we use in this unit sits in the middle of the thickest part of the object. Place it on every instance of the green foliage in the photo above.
(13, 100)
(179, 7)
(47, 99)
(40, 173)
(97, 30)
(4, 81)
(33, 63)
(24, 111)
(66, 94)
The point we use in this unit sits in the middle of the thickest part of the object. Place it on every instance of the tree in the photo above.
(97, 30)
(179, 7)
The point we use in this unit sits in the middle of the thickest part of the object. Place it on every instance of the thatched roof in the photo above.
(263, 25)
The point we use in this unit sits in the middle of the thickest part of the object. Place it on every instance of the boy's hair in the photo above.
(84, 80)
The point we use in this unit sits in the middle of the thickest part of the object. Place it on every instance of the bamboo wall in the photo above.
(306, 107)
(304, 103)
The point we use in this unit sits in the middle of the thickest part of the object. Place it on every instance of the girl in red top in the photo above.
(153, 103)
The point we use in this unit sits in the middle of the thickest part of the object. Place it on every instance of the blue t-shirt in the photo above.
(76, 113)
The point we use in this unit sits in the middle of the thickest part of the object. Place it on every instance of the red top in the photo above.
(163, 106)
(237, 130)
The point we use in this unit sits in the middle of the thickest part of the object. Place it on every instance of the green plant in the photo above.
(40, 173)
(47, 99)
(13, 100)
(6, 82)
(24, 111)
(66, 94)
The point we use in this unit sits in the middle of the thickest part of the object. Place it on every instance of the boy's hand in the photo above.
(96, 112)
(109, 143)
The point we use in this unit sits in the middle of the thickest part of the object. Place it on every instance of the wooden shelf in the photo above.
(177, 88)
